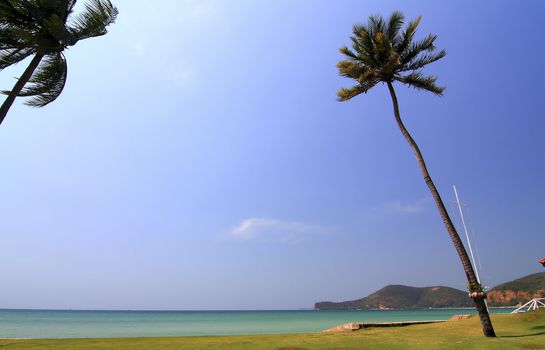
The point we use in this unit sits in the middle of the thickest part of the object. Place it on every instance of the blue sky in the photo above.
(198, 159)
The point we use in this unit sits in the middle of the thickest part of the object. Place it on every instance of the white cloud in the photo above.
(252, 228)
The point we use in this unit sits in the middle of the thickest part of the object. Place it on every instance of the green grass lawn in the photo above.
(522, 331)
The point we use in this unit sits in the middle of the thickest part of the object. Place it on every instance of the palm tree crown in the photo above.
(45, 28)
(381, 52)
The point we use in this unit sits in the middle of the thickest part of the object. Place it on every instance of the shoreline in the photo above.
(515, 331)
(438, 335)
(130, 324)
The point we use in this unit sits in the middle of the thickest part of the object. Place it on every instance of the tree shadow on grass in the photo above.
(538, 327)
(525, 335)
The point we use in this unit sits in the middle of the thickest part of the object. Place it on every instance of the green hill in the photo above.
(519, 291)
(403, 297)
(516, 292)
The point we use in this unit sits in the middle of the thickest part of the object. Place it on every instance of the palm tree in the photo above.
(383, 53)
(44, 29)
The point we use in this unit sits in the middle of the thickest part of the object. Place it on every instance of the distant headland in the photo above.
(406, 297)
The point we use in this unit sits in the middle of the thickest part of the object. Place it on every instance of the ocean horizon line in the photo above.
(245, 310)
(153, 310)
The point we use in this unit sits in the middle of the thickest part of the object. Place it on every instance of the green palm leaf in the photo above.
(345, 94)
(98, 14)
(17, 13)
(47, 82)
(60, 8)
(9, 57)
(415, 48)
(362, 43)
(395, 22)
(408, 34)
(420, 82)
(424, 60)
(376, 24)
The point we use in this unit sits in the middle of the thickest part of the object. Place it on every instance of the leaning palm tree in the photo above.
(44, 29)
(384, 53)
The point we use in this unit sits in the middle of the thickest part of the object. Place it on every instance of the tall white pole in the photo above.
(467, 235)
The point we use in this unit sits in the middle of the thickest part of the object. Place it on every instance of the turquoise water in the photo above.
(105, 324)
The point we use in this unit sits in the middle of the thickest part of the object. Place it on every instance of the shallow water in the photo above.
(105, 324)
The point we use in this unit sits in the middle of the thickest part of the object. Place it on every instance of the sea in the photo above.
(120, 324)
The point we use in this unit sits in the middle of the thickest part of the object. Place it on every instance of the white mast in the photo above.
(467, 235)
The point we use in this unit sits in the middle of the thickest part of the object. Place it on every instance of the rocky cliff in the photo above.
(519, 291)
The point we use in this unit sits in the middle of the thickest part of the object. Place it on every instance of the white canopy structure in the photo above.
(533, 304)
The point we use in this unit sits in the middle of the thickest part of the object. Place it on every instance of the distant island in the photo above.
(405, 297)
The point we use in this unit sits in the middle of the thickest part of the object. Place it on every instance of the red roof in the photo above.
(542, 261)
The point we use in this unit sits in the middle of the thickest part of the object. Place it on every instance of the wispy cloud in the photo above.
(253, 228)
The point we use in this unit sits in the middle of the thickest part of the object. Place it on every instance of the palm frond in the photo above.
(417, 47)
(362, 43)
(360, 31)
(9, 39)
(69, 8)
(357, 71)
(56, 27)
(47, 83)
(98, 15)
(394, 25)
(422, 61)
(418, 81)
(381, 47)
(348, 53)
(16, 38)
(364, 51)
(10, 57)
(407, 35)
(345, 94)
(60, 8)
(376, 24)
(361, 59)
(350, 69)
(17, 13)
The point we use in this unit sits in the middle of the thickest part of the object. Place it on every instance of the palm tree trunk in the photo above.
(478, 298)
(19, 85)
